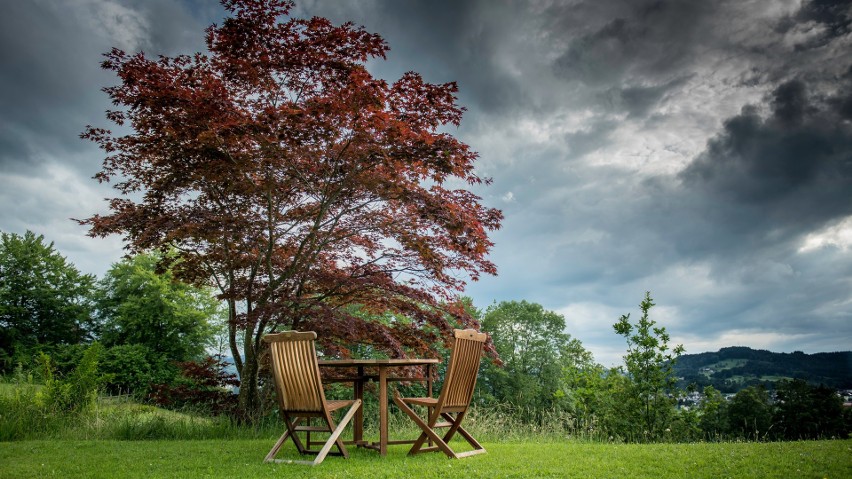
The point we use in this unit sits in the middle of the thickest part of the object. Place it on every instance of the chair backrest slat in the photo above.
(463, 368)
(295, 371)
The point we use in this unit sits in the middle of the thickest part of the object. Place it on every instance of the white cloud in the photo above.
(591, 323)
(837, 236)
(123, 26)
(45, 204)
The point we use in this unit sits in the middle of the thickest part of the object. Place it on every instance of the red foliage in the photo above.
(203, 385)
(296, 182)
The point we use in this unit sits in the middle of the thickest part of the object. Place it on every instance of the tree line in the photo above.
(733, 368)
(546, 375)
(140, 331)
(138, 324)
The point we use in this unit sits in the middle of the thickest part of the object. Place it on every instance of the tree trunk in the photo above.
(232, 336)
(249, 398)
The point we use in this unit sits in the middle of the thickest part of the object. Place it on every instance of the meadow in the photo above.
(121, 438)
(118, 437)
(240, 458)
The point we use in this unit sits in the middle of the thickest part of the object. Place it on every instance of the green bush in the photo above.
(133, 368)
(21, 407)
(205, 386)
(79, 390)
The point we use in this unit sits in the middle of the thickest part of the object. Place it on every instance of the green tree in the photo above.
(583, 381)
(529, 340)
(650, 367)
(713, 419)
(616, 405)
(803, 411)
(750, 413)
(137, 305)
(44, 299)
(133, 368)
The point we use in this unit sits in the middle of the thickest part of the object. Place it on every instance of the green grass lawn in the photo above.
(242, 459)
(103, 443)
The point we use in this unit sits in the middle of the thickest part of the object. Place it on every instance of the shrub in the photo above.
(133, 368)
(203, 385)
(21, 407)
(78, 391)
(31, 410)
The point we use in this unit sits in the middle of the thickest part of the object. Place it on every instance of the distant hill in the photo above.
(734, 368)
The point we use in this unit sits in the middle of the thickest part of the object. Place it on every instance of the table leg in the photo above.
(383, 411)
(358, 426)
(429, 387)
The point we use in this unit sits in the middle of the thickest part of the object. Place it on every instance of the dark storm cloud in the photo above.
(583, 142)
(683, 147)
(50, 89)
(794, 167)
(645, 39)
(790, 104)
(50, 82)
(639, 100)
(842, 103)
(722, 241)
(783, 168)
(831, 16)
(444, 40)
(520, 58)
(37, 83)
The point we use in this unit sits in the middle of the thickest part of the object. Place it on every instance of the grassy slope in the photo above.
(242, 459)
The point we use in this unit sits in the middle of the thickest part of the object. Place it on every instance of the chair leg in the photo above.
(418, 444)
(427, 431)
(335, 435)
(456, 427)
(333, 440)
(455, 423)
(302, 448)
(269, 457)
(290, 432)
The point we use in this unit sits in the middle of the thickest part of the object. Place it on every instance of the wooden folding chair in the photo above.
(300, 396)
(455, 397)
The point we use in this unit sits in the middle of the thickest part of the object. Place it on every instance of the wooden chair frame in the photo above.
(296, 375)
(455, 397)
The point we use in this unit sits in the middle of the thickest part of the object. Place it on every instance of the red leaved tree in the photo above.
(297, 183)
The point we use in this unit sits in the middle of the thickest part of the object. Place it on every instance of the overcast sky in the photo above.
(700, 150)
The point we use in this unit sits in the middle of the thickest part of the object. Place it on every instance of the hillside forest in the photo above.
(733, 368)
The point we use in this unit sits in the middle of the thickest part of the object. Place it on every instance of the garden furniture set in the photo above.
(301, 397)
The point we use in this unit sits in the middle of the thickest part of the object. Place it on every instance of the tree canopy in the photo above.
(281, 170)
(529, 340)
(137, 305)
(44, 299)
(650, 367)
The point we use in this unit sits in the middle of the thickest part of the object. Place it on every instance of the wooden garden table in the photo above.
(382, 377)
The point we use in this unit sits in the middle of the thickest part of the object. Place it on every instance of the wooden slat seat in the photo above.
(334, 404)
(455, 397)
(428, 402)
(295, 373)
